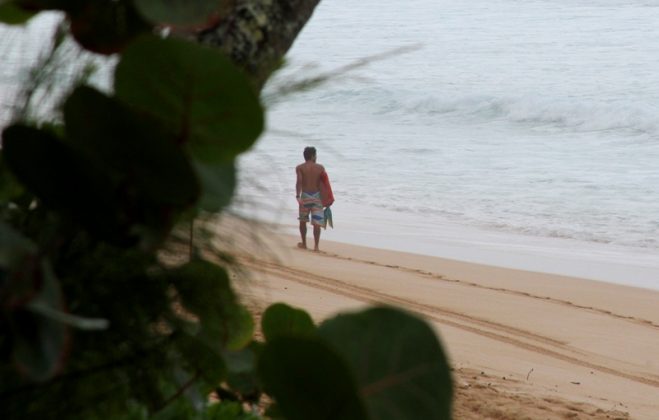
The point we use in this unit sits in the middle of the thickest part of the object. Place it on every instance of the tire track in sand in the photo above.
(492, 330)
(439, 277)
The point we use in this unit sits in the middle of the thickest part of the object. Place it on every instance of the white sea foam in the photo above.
(539, 112)
(565, 114)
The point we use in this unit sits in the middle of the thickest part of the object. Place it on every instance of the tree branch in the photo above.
(256, 34)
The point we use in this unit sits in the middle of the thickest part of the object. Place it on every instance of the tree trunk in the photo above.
(257, 33)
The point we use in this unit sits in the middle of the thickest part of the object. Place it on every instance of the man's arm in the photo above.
(321, 169)
(298, 183)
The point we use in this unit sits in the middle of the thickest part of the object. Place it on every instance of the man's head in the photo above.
(310, 153)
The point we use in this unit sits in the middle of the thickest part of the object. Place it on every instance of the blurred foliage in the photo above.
(281, 319)
(407, 370)
(181, 12)
(94, 323)
(12, 14)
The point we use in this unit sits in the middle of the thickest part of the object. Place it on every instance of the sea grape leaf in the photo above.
(195, 91)
(180, 12)
(309, 380)
(19, 268)
(133, 148)
(241, 328)
(39, 345)
(37, 5)
(205, 291)
(242, 370)
(10, 188)
(12, 14)
(40, 341)
(228, 410)
(35, 307)
(280, 319)
(106, 26)
(400, 367)
(61, 178)
(218, 184)
(48, 302)
(13, 246)
(203, 358)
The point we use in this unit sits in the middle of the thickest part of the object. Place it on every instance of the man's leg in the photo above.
(303, 234)
(316, 237)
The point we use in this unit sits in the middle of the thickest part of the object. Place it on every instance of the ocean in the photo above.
(516, 133)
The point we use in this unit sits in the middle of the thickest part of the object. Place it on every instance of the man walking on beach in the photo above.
(307, 189)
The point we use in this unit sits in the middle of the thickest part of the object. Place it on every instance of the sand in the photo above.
(521, 344)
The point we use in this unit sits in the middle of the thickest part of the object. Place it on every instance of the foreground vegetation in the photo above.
(94, 325)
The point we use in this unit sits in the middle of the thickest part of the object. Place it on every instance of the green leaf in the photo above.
(204, 290)
(10, 188)
(309, 380)
(37, 5)
(14, 247)
(61, 178)
(242, 366)
(203, 287)
(195, 91)
(218, 184)
(106, 26)
(40, 341)
(48, 302)
(281, 319)
(20, 262)
(201, 357)
(12, 14)
(228, 411)
(241, 328)
(39, 345)
(401, 369)
(133, 148)
(179, 12)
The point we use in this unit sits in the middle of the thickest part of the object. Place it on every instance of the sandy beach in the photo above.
(522, 344)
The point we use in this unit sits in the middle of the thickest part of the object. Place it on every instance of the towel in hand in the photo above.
(328, 218)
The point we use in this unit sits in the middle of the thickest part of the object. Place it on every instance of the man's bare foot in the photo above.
(316, 249)
(301, 245)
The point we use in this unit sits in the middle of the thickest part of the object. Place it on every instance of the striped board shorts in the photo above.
(311, 205)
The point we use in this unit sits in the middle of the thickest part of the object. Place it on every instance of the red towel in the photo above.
(326, 194)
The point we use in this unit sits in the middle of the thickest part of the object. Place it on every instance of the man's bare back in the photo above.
(308, 176)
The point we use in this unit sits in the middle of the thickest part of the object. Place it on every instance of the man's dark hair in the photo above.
(309, 153)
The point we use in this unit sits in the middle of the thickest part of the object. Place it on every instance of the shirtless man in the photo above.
(307, 192)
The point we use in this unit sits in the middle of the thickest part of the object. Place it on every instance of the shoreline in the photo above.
(396, 231)
(521, 343)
